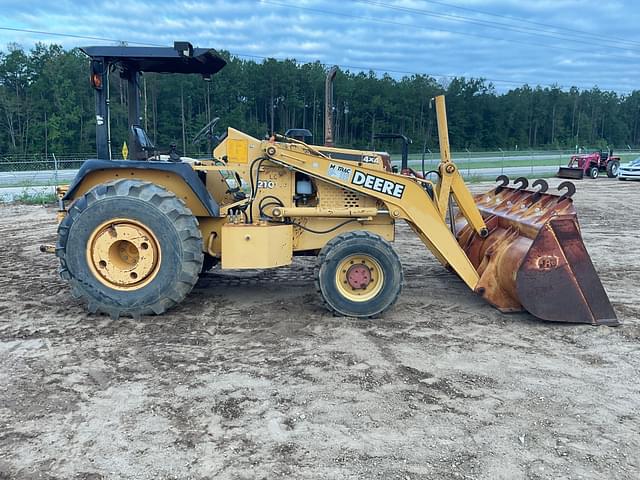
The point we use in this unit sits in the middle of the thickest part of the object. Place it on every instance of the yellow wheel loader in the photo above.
(135, 234)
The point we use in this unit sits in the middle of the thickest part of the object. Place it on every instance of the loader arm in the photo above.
(451, 181)
(403, 196)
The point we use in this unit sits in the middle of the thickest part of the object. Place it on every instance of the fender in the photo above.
(177, 177)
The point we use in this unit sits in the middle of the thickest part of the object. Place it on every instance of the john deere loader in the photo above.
(135, 234)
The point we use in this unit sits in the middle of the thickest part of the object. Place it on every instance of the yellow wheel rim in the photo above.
(123, 254)
(359, 278)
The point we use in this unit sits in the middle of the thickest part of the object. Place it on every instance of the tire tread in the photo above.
(173, 208)
(335, 241)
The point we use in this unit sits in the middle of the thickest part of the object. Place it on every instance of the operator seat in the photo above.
(144, 147)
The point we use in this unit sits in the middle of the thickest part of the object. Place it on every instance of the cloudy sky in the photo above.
(510, 42)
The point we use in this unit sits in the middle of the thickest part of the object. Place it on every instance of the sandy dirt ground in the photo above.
(251, 379)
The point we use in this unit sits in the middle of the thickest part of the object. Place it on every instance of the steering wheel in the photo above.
(206, 131)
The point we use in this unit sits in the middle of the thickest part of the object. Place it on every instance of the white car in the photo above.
(630, 170)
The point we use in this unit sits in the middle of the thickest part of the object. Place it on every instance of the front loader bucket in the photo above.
(569, 172)
(534, 258)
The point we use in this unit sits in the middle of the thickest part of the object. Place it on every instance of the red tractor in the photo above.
(591, 164)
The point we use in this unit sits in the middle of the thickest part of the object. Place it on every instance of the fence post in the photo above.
(502, 167)
(468, 162)
(55, 168)
(532, 156)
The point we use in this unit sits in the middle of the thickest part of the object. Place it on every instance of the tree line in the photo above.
(47, 106)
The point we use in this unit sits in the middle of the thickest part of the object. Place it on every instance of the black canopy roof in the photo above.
(204, 61)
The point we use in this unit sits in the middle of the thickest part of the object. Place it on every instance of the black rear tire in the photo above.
(365, 245)
(612, 169)
(166, 217)
(593, 172)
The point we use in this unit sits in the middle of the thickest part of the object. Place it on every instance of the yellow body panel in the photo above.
(256, 246)
(307, 241)
(211, 229)
(367, 157)
(302, 240)
(273, 180)
(171, 181)
(229, 149)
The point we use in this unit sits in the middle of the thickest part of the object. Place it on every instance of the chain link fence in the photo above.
(489, 164)
(40, 170)
(33, 177)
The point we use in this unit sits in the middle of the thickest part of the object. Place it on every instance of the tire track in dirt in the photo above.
(251, 378)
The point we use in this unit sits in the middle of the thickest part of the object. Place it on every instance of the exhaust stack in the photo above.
(328, 106)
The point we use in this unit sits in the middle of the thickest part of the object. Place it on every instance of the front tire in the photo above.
(593, 172)
(358, 274)
(130, 248)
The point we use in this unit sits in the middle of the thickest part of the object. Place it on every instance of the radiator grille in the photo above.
(334, 197)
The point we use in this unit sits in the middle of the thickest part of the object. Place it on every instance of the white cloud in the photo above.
(443, 37)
